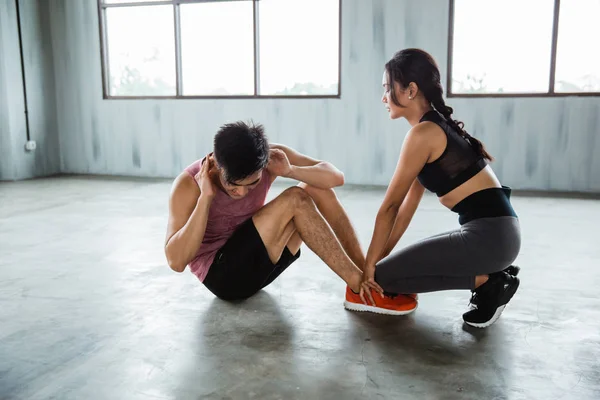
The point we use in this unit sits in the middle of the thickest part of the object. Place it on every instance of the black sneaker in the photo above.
(491, 299)
(512, 270)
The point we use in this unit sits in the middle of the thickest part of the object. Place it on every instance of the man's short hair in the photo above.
(241, 149)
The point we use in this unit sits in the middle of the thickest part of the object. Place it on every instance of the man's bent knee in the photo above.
(296, 196)
(316, 192)
(294, 191)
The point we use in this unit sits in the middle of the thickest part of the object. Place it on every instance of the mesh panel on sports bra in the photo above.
(458, 163)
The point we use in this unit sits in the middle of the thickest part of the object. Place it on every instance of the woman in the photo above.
(439, 155)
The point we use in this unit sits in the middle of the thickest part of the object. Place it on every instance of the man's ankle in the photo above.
(354, 284)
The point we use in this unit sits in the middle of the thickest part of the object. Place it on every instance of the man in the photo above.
(236, 245)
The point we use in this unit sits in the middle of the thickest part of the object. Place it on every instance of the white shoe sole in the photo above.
(490, 321)
(377, 310)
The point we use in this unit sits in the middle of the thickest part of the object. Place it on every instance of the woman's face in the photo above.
(395, 111)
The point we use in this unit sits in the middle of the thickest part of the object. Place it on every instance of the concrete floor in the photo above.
(89, 310)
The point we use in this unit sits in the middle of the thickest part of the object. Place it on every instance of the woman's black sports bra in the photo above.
(458, 163)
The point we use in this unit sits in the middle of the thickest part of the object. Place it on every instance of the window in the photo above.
(577, 63)
(220, 48)
(299, 46)
(523, 48)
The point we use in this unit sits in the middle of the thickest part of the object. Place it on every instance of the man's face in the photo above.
(239, 189)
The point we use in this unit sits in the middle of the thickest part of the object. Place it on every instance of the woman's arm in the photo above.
(413, 156)
(405, 215)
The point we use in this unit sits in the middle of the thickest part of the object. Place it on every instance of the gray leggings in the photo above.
(452, 260)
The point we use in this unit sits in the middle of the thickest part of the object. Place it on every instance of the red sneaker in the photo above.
(401, 304)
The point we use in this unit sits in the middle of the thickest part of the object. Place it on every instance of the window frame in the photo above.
(549, 93)
(103, 6)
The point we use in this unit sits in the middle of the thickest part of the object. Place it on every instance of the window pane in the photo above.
(128, 1)
(577, 64)
(502, 46)
(217, 48)
(299, 46)
(141, 51)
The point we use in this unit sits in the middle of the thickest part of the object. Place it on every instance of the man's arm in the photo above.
(188, 215)
(320, 174)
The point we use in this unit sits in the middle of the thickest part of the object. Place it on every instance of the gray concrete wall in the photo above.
(15, 162)
(540, 143)
(11, 99)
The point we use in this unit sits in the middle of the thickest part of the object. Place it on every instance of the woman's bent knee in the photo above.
(384, 277)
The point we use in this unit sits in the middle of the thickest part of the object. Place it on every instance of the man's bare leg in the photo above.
(334, 213)
(293, 212)
(294, 243)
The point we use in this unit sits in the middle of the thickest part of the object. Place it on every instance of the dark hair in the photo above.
(418, 66)
(241, 149)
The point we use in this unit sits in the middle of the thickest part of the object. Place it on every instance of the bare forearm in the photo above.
(398, 230)
(381, 234)
(322, 175)
(405, 215)
(184, 244)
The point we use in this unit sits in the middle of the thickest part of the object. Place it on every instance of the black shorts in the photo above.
(242, 266)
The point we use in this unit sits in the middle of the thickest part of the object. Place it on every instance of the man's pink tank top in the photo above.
(225, 215)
